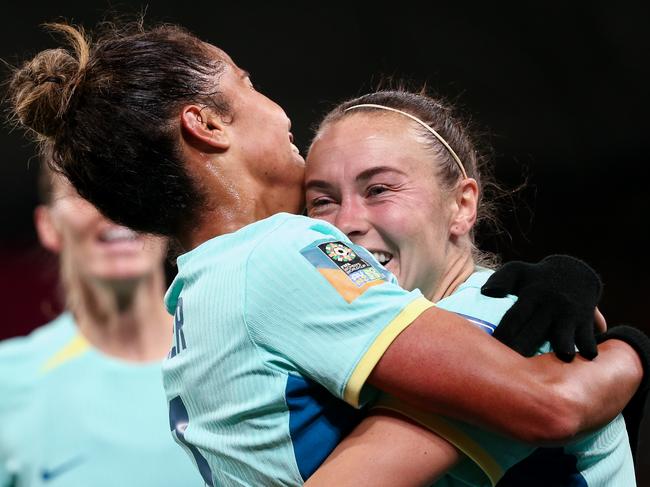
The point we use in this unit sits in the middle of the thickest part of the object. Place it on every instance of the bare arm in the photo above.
(386, 450)
(470, 376)
(389, 449)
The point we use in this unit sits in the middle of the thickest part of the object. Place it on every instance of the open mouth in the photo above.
(383, 257)
(118, 234)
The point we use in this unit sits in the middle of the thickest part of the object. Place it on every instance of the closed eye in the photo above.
(377, 189)
(319, 205)
(321, 201)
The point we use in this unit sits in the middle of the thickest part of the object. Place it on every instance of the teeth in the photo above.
(382, 257)
(118, 233)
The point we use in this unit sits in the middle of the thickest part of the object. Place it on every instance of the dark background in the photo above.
(560, 90)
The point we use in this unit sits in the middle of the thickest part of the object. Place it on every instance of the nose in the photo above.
(351, 218)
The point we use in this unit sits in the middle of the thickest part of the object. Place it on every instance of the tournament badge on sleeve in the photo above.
(350, 273)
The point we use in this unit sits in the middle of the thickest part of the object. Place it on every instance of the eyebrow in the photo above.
(361, 177)
(317, 184)
(373, 171)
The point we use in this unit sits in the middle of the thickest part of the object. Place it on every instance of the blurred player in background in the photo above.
(82, 397)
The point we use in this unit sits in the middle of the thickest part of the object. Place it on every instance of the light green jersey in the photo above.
(71, 416)
(277, 327)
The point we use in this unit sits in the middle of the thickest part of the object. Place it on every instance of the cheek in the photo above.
(78, 237)
(398, 223)
(78, 229)
(329, 217)
(156, 250)
(78, 215)
(415, 236)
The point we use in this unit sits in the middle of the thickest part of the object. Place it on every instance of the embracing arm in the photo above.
(470, 376)
(386, 449)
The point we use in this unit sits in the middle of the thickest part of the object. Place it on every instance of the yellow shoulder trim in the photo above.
(75, 347)
(449, 432)
(378, 348)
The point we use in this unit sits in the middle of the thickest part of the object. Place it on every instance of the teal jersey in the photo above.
(600, 459)
(277, 327)
(71, 416)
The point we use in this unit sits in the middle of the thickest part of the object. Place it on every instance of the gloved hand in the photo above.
(633, 412)
(557, 298)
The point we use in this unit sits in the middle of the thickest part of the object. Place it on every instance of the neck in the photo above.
(215, 222)
(460, 268)
(234, 195)
(126, 320)
(231, 215)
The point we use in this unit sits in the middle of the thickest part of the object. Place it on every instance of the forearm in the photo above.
(606, 384)
(584, 395)
(442, 364)
(386, 449)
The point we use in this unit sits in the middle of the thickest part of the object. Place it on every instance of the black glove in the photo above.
(633, 412)
(557, 298)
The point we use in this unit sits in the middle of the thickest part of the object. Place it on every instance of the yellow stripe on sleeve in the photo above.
(70, 350)
(449, 432)
(378, 348)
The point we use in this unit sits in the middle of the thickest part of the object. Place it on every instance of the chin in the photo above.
(123, 273)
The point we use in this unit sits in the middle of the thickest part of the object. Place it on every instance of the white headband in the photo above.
(416, 119)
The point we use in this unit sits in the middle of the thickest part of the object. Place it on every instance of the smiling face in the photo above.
(370, 176)
(96, 248)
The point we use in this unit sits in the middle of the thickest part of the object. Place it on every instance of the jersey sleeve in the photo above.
(324, 308)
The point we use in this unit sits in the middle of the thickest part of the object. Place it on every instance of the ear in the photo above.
(464, 217)
(46, 230)
(204, 129)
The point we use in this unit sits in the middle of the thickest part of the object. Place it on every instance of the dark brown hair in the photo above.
(107, 109)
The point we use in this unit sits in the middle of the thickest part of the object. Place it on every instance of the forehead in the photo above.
(220, 53)
(384, 127)
(368, 138)
(231, 68)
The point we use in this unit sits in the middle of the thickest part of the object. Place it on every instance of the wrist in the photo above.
(634, 348)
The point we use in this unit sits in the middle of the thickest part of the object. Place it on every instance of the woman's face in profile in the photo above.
(260, 136)
(370, 176)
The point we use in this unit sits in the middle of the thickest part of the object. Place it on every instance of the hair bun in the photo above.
(40, 90)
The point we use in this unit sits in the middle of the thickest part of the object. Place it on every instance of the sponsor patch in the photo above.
(349, 270)
(357, 269)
